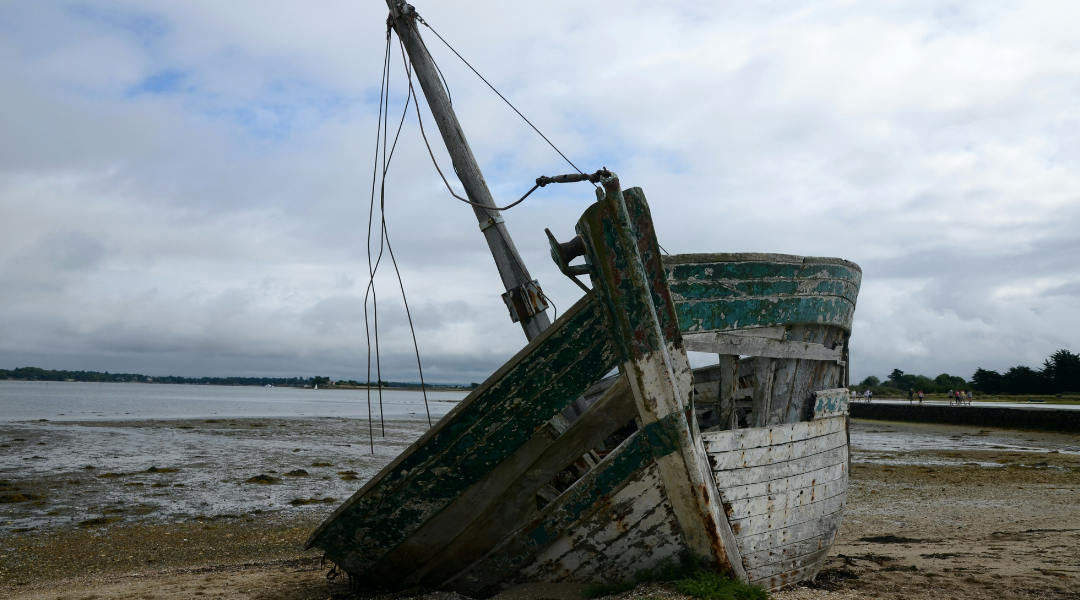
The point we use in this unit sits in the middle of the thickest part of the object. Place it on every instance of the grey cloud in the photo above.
(217, 224)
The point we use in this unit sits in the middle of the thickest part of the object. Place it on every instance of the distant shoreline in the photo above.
(416, 388)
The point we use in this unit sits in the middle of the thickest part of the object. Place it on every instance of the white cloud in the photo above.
(184, 186)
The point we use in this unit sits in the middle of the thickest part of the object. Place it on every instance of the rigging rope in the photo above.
(456, 53)
(387, 154)
(498, 230)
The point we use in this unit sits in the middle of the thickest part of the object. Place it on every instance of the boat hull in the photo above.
(549, 472)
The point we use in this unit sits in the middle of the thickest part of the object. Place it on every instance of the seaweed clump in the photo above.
(98, 521)
(13, 498)
(264, 479)
(297, 473)
(306, 501)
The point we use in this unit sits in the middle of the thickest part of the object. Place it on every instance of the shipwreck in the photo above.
(597, 451)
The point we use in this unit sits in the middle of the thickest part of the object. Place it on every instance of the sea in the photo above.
(77, 401)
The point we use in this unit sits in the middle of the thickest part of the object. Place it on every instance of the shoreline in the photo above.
(934, 511)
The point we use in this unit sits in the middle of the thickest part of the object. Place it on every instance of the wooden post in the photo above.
(515, 276)
(624, 260)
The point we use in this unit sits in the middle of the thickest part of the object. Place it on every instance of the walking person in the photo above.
(920, 396)
(952, 397)
(910, 395)
(969, 396)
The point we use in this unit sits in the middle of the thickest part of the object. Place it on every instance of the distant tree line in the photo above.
(1059, 374)
(907, 381)
(36, 374)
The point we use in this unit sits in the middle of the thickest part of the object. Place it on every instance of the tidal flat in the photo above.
(221, 507)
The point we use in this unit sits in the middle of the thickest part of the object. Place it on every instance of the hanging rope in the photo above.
(387, 154)
(499, 94)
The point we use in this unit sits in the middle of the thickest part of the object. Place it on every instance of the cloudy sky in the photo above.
(184, 185)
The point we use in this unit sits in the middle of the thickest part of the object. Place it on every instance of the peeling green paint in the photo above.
(663, 435)
(738, 291)
(483, 432)
(586, 496)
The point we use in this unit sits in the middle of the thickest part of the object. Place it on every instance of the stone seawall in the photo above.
(1044, 419)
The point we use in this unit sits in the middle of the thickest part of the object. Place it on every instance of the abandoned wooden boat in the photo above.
(534, 478)
(556, 469)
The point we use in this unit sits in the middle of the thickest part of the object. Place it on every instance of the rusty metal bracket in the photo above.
(563, 253)
(491, 222)
(524, 301)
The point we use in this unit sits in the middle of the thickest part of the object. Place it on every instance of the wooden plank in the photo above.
(729, 383)
(794, 576)
(767, 455)
(626, 274)
(830, 403)
(732, 314)
(791, 534)
(776, 554)
(786, 517)
(638, 531)
(481, 432)
(775, 503)
(582, 499)
(782, 470)
(746, 439)
(764, 369)
(785, 485)
(786, 392)
(504, 500)
(726, 343)
(788, 565)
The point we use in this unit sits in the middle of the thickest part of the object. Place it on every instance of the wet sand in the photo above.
(933, 512)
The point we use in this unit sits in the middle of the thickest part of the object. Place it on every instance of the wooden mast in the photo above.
(522, 296)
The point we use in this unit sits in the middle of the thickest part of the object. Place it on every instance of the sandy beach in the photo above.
(934, 511)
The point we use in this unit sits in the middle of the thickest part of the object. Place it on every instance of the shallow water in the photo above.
(214, 458)
(932, 444)
(77, 401)
(77, 471)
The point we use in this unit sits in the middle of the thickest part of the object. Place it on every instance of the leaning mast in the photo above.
(523, 296)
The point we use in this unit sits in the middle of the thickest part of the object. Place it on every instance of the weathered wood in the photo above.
(782, 470)
(729, 385)
(767, 455)
(655, 363)
(575, 504)
(794, 576)
(638, 529)
(830, 403)
(512, 269)
(481, 432)
(781, 486)
(516, 504)
(776, 554)
(788, 535)
(745, 439)
(727, 343)
(786, 517)
(764, 370)
(786, 565)
(722, 292)
(771, 503)
(508, 490)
